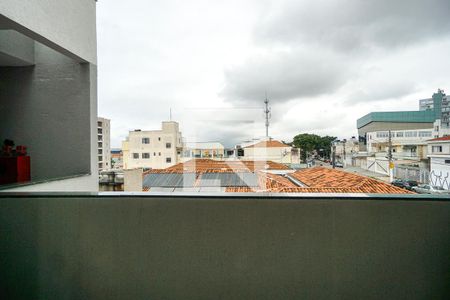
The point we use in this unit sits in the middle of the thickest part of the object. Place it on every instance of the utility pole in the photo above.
(391, 163)
(344, 162)
(334, 155)
(267, 113)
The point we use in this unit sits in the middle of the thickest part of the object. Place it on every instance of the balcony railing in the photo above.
(244, 246)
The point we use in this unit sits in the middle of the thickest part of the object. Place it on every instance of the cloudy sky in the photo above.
(323, 63)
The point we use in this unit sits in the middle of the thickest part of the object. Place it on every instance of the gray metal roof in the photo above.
(228, 179)
(169, 180)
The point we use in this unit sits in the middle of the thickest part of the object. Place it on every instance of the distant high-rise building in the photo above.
(104, 144)
(426, 104)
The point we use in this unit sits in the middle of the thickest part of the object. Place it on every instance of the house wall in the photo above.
(276, 154)
(440, 171)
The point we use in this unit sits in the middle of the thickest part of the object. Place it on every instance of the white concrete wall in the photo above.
(440, 171)
(132, 180)
(275, 154)
(67, 26)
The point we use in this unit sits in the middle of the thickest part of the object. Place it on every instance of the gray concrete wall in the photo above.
(65, 25)
(15, 49)
(51, 108)
(131, 247)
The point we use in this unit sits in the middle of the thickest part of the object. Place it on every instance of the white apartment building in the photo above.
(406, 144)
(272, 150)
(152, 149)
(210, 150)
(104, 144)
(439, 154)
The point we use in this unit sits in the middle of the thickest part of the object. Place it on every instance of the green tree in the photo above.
(309, 143)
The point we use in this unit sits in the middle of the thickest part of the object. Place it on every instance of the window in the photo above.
(168, 145)
(146, 155)
(145, 140)
(447, 161)
(154, 153)
(382, 134)
(136, 155)
(159, 153)
(100, 158)
(411, 134)
(168, 159)
(159, 138)
(436, 149)
(425, 133)
(399, 133)
(99, 124)
(100, 144)
(100, 151)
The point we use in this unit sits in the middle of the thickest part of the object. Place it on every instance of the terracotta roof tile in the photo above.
(445, 138)
(324, 178)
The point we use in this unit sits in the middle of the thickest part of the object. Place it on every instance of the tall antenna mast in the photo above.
(267, 113)
(170, 114)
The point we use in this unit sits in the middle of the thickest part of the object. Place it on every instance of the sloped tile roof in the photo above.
(445, 138)
(325, 179)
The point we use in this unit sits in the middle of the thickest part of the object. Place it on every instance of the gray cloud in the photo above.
(285, 76)
(347, 25)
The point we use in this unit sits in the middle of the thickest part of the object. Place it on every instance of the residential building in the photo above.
(271, 150)
(426, 104)
(116, 158)
(104, 144)
(212, 150)
(439, 154)
(153, 149)
(48, 94)
(345, 150)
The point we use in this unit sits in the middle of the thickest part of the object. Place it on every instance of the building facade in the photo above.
(211, 150)
(104, 144)
(406, 144)
(153, 149)
(116, 158)
(433, 114)
(271, 150)
(439, 154)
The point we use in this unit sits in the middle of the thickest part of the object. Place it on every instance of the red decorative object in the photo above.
(14, 169)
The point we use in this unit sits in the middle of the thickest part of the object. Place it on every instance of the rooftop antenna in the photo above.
(170, 114)
(268, 115)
